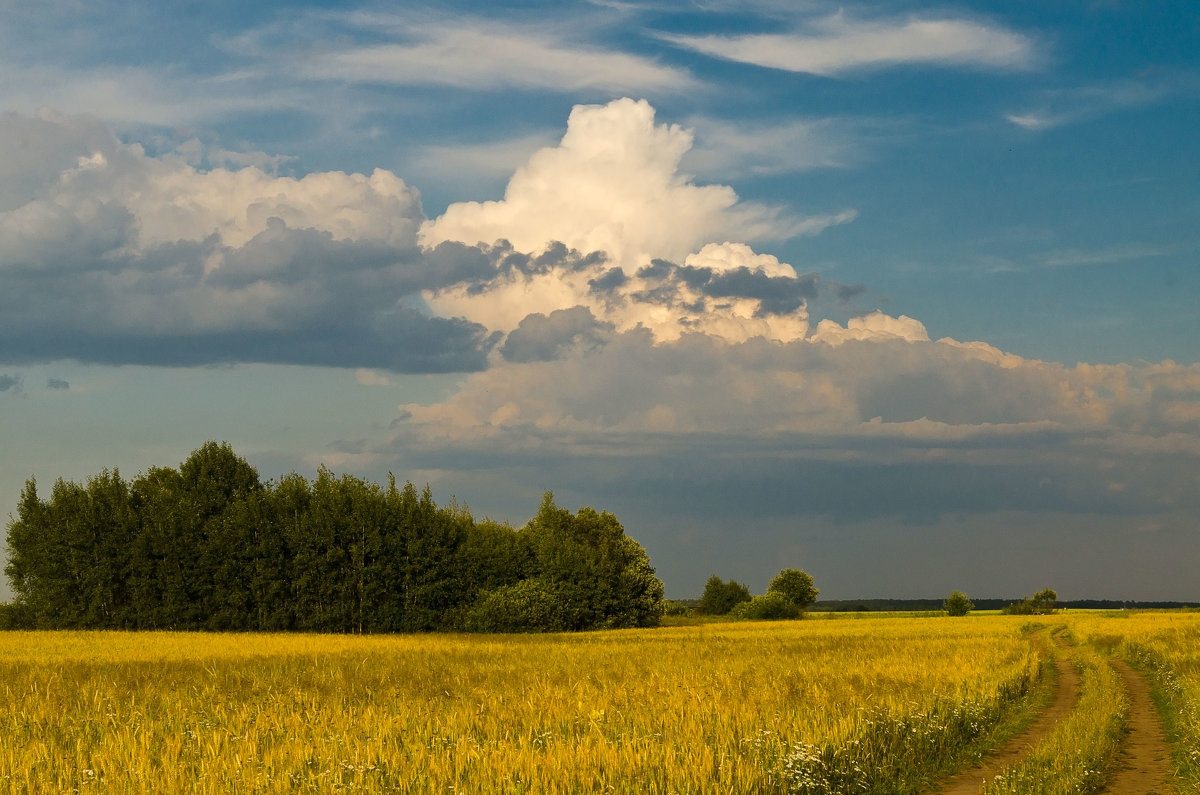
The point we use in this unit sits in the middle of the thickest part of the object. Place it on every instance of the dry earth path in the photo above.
(970, 781)
(1143, 767)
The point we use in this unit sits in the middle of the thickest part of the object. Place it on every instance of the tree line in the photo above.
(789, 594)
(210, 546)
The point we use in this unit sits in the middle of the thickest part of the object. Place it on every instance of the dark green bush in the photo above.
(526, 606)
(768, 607)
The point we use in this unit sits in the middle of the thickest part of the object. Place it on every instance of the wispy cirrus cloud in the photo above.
(836, 44)
(726, 150)
(485, 56)
(1061, 107)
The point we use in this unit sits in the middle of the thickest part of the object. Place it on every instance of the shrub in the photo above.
(527, 606)
(1041, 603)
(720, 597)
(768, 607)
(673, 607)
(957, 604)
(15, 616)
(796, 586)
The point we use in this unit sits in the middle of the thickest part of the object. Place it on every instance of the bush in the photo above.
(720, 597)
(673, 607)
(796, 586)
(14, 616)
(1041, 603)
(527, 606)
(957, 604)
(768, 607)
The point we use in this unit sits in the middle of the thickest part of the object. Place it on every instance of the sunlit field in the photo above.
(872, 705)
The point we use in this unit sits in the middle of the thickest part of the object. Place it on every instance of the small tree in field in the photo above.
(720, 597)
(957, 604)
(771, 606)
(796, 586)
(1041, 603)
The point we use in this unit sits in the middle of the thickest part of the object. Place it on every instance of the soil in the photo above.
(1143, 767)
(969, 782)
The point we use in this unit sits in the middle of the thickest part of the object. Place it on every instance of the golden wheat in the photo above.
(717, 708)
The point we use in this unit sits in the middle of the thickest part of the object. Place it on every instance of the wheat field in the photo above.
(871, 705)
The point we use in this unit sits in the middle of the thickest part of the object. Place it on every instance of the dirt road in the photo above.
(968, 782)
(1144, 767)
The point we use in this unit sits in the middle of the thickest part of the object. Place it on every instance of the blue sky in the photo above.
(898, 293)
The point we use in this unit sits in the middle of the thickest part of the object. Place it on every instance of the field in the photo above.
(874, 705)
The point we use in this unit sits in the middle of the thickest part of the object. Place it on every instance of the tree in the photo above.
(602, 577)
(796, 586)
(1044, 600)
(771, 606)
(209, 546)
(720, 597)
(1040, 603)
(957, 604)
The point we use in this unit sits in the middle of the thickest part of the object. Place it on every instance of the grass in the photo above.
(718, 708)
(1078, 753)
(883, 705)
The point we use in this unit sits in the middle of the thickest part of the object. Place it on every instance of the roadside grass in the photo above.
(1165, 647)
(1077, 755)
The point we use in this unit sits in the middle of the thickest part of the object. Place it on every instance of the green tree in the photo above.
(530, 605)
(957, 604)
(602, 577)
(1040, 603)
(771, 606)
(796, 586)
(720, 597)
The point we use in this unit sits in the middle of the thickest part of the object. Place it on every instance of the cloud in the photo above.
(542, 338)
(836, 44)
(1061, 107)
(613, 184)
(57, 383)
(488, 55)
(10, 383)
(887, 422)
(109, 254)
(371, 378)
(725, 150)
(477, 163)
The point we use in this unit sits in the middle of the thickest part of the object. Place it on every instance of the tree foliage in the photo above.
(957, 604)
(1041, 603)
(795, 586)
(771, 606)
(720, 597)
(209, 546)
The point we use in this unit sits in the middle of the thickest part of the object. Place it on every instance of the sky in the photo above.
(901, 294)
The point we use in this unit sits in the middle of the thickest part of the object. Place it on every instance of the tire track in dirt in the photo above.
(993, 763)
(1143, 767)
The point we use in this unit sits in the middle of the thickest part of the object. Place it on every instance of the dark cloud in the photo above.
(856, 512)
(10, 383)
(611, 280)
(57, 383)
(110, 255)
(400, 340)
(777, 295)
(34, 151)
(542, 338)
(847, 291)
(288, 295)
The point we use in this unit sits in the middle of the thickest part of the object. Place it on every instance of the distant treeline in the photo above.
(210, 546)
(902, 605)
